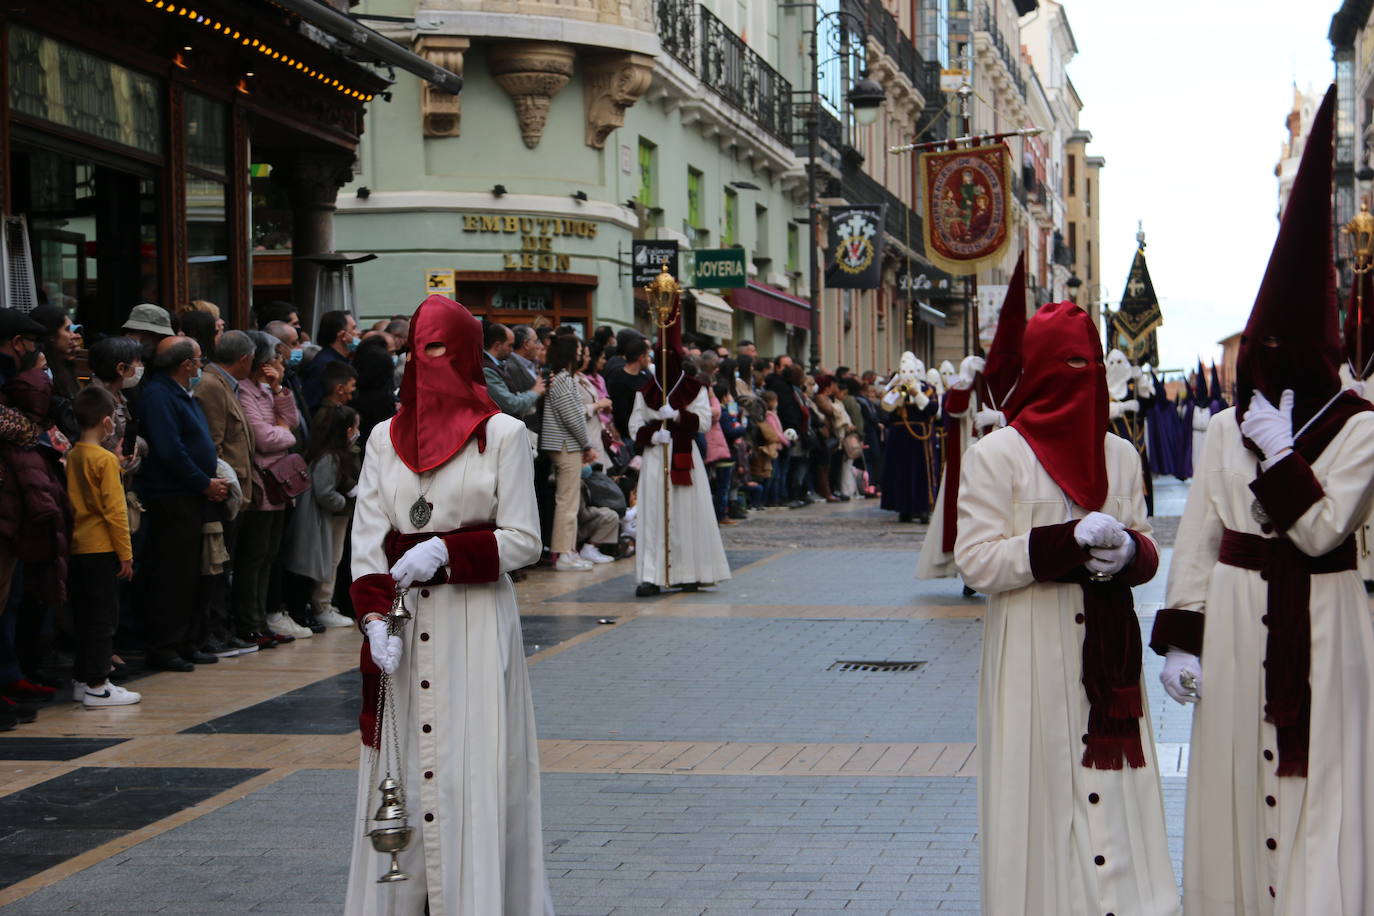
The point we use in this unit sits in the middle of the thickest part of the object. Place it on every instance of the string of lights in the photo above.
(276, 55)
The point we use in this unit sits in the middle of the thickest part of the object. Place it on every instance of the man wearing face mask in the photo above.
(338, 338)
(445, 509)
(175, 481)
(1052, 527)
(1266, 627)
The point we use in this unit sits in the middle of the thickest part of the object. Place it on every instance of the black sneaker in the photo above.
(197, 657)
(240, 646)
(645, 589)
(168, 663)
(261, 640)
(23, 712)
(8, 720)
(312, 623)
(219, 650)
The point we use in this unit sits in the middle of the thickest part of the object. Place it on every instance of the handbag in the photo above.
(285, 478)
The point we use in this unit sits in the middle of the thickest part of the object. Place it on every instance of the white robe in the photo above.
(933, 562)
(695, 552)
(1323, 825)
(1364, 537)
(1038, 830)
(483, 853)
(1202, 416)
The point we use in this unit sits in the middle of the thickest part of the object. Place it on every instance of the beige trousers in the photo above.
(567, 472)
(324, 591)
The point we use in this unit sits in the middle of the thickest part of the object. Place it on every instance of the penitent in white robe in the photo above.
(463, 675)
(934, 562)
(1043, 816)
(695, 551)
(1322, 826)
(1364, 535)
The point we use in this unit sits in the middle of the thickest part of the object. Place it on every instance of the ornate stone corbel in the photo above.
(440, 111)
(532, 73)
(611, 84)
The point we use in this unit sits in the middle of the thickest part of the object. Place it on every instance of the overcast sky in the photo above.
(1186, 100)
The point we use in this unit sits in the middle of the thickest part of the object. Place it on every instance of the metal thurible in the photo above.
(392, 833)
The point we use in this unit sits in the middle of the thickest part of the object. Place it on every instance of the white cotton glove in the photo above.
(1176, 662)
(1114, 410)
(960, 383)
(353, 493)
(891, 399)
(1131, 405)
(1270, 427)
(987, 417)
(1098, 529)
(1144, 385)
(385, 648)
(920, 399)
(1108, 561)
(973, 365)
(661, 437)
(420, 563)
(667, 413)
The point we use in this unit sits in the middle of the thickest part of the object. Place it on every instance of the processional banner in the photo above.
(967, 218)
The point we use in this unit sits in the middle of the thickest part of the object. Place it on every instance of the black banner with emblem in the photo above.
(854, 254)
(1134, 324)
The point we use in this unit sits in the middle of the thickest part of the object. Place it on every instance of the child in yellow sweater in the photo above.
(101, 550)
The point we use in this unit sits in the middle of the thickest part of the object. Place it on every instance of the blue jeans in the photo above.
(721, 474)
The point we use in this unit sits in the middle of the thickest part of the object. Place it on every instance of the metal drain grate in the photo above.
(858, 665)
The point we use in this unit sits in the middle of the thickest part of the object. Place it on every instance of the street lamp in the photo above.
(865, 98)
(1073, 284)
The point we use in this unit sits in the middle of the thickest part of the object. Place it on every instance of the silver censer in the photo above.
(392, 832)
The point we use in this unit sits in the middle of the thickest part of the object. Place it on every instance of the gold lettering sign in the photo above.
(526, 225)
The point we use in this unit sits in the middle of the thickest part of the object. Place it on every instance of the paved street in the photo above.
(703, 753)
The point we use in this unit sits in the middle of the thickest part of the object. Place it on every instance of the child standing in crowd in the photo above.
(101, 549)
(319, 525)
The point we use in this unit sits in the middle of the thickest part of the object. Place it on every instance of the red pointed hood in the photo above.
(444, 400)
(1004, 356)
(1061, 410)
(1359, 328)
(1292, 339)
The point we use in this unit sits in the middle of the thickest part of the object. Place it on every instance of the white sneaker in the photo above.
(78, 691)
(592, 555)
(282, 623)
(331, 617)
(108, 694)
(571, 562)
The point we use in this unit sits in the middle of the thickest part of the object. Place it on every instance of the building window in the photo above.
(648, 155)
(1073, 241)
(729, 233)
(760, 232)
(793, 248)
(1073, 175)
(694, 199)
(1088, 196)
(1089, 245)
(207, 223)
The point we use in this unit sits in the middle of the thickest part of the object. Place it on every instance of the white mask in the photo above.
(947, 374)
(934, 380)
(133, 380)
(1118, 375)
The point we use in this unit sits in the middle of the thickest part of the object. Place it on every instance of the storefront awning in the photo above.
(931, 315)
(351, 32)
(772, 303)
(715, 318)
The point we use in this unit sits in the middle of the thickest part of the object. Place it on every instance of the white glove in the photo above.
(661, 437)
(891, 399)
(1111, 560)
(667, 413)
(1114, 410)
(1270, 427)
(1176, 662)
(353, 493)
(960, 383)
(1145, 386)
(920, 399)
(986, 417)
(385, 648)
(420, 563)
(972, 365)
(1131, 406)
(1098, 529)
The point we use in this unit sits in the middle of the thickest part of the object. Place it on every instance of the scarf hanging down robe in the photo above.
(683, 429)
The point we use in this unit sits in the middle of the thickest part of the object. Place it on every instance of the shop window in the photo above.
(207, 224)
(271, 211)
(729, 232)
(61, 84)
(93, 233)
(648, 183)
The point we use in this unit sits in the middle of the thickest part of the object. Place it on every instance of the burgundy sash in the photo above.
(683, 429)
(954, 449)
(1288, 645)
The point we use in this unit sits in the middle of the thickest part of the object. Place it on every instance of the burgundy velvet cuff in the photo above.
(473, 557)
(372, 594)
(1287, 490)
(644, 438)
(686, 422)
(1146, 563)
(957, 400)
(1178, 629)
(1053, 551)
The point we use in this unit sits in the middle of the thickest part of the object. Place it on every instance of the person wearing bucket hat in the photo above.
(148, 324)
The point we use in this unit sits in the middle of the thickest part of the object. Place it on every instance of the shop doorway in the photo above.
(559, 299)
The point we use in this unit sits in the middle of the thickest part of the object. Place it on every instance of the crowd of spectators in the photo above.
(181, 492)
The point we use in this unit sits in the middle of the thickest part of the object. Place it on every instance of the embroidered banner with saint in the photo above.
(967, 218)
(854, 255)
(1135, 323)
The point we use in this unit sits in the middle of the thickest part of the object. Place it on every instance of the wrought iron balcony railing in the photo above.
(988, 23)
(676, 22)
(744, 79)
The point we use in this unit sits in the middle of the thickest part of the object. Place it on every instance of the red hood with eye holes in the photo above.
(1060, 410)
(444, 400)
